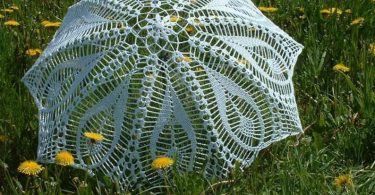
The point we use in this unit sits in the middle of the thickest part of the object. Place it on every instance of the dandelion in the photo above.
(342, 181)
(199, 69)
(372, 48)
(268, 9)
(162, 162)
(49, 24)
(7, 10)
(150, 75)
(174, 19)
(45, 22)
(185, 59)
(64, 158)
(33, 52)
(1, 16)
(189, 29)
(358, 21)
(14, 7)
(341, 67)
(251, 29)
(94, 137)
(121, 26)
(30, 167)
(242, 61)
(3, 138)
(331, 11)
(348, 11)
(11, 23)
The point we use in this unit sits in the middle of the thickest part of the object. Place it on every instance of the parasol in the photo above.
(206, 82)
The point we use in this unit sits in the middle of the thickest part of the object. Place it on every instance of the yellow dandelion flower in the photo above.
(174, 18)
(336, 10)
(49, 24)
(1, 16)
(64, 158)
(33, 52)
(325, 11)
(358, 21)
(94, 137)
(199, 69)
(331, 11)
(372, 48)
(7, 10)
(185, 59)
(11, 23)
(251, 29)
(150, 75)
(268, 9)
(3, 138)
(14, 7)
(45, 22)
(189, 29)
(162, 162)
(54, 24)
(348, 11)
(121, 26)
(30, 167)
(242, 61)
(343, 181)
(341, 67)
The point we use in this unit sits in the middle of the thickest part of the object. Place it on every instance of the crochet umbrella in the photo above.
(206, 82)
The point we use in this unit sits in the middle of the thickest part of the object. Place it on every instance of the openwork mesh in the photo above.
(207, 82)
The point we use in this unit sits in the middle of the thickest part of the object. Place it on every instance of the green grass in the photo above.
(337, 109)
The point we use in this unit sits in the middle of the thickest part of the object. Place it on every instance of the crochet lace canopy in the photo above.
(205, 82)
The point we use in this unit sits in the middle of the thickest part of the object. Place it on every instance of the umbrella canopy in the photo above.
(206, 82)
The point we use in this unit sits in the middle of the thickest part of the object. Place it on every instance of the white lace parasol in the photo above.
(207, 82)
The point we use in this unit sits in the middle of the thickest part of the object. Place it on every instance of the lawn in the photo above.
(334, 84)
